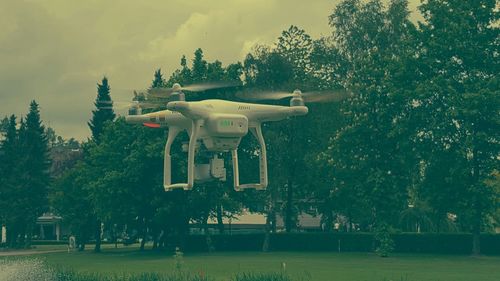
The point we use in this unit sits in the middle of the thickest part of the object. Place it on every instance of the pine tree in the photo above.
(104, 109)
(28, 195)
(199, 68)
(102, 114)
(158, 81)
(8, 154)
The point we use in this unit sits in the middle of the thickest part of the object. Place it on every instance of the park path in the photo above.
(27, 252)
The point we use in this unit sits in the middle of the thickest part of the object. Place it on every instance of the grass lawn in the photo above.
(301, 265)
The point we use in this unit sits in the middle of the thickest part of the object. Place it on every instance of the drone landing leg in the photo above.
(257, 132)
(193, 138)
(191, 153)
(167, 167)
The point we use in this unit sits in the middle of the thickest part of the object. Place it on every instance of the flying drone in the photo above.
(218, 125)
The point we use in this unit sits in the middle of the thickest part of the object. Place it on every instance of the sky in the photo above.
(55, 51)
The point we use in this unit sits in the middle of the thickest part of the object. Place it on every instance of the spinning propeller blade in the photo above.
(209, 86)
(199, 87)
(131, 104)
(309, 97)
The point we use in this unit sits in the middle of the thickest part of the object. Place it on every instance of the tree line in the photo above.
(415, 148)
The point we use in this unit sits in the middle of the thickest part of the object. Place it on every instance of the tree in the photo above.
(104, 110)
(369, 170)
(35, 165)
(4, 124)
(199, 67)
(26, 176)
(69, 197)
(459, 66)
(102, 114)
(158, 81)
(296, 46)
(9, 149)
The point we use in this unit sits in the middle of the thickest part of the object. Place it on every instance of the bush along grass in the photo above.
(179, 276)
(64, 275)
(261, 277)
(37, 270)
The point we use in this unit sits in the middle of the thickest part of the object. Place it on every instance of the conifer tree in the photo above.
(8, 153)
(29, 175)
(104, 109)
(102, 114)
(199, 68)
(158, 81)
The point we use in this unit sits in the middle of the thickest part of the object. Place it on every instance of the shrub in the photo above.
(261, 277)
(444, 243)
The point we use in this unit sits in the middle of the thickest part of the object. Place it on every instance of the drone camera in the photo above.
(177, 96)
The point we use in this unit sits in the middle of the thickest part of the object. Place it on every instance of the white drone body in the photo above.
(219, 125)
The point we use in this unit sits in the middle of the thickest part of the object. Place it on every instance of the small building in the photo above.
(48, 227)
(256, 222)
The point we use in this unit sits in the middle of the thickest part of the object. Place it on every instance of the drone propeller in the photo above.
(200, 87)
(308, 97)
(130, 104)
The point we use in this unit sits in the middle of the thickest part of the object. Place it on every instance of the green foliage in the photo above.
(460, 90)
(422, 129)
(383, 239)
(370, 174)
(251, 276)
(65, 275)
(68, 275)
(69, 196)
(158, 81)
(24, 173)
(382, 242)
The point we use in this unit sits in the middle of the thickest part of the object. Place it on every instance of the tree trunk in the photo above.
(163, 239)
(143, 243)
(143, 233)
(12, 236)
(476, 244)
(81, 244)
(328, 222)
(267, 236)
(208, 238)
(28, 236)
(289, 210)
(155, 239)
(97, 247)
(476, 237)
(220, 219)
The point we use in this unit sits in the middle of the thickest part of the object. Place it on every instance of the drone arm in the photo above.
(257, 132)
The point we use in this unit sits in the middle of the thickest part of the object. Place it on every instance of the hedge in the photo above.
(443, 243)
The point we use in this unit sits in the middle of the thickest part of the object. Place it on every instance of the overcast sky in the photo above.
(55, 51)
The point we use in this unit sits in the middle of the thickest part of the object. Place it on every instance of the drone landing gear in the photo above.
(193, 138)
(257, 132)
(216, 169)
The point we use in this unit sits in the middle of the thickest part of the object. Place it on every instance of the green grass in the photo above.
(301, 265)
